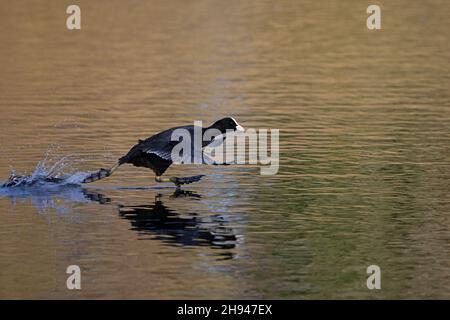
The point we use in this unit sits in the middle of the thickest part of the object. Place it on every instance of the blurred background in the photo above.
(364, 148)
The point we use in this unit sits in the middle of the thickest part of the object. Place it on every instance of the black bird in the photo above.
(155, 152)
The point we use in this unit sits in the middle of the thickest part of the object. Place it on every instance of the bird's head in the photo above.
(227, 123)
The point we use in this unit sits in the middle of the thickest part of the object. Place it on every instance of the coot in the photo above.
(155, 152)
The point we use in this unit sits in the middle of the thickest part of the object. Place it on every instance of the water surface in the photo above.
(364, 169)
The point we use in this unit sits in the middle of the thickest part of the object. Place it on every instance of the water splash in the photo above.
(48, 173)
(53, 184)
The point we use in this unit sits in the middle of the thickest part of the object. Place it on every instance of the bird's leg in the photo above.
(161, 179)
(100, 174)
(171, 179)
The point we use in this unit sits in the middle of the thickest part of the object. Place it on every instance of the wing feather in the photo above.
(162, 154)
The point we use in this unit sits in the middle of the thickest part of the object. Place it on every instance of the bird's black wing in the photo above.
(161, 144)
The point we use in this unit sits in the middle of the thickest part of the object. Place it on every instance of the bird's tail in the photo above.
(101, 174)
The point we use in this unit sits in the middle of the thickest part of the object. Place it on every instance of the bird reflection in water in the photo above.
(60, 199)
(153, 221)
(162, 223)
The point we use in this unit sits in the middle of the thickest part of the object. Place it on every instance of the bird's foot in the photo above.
(103, 173)
(186, 180)
(97, 175)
